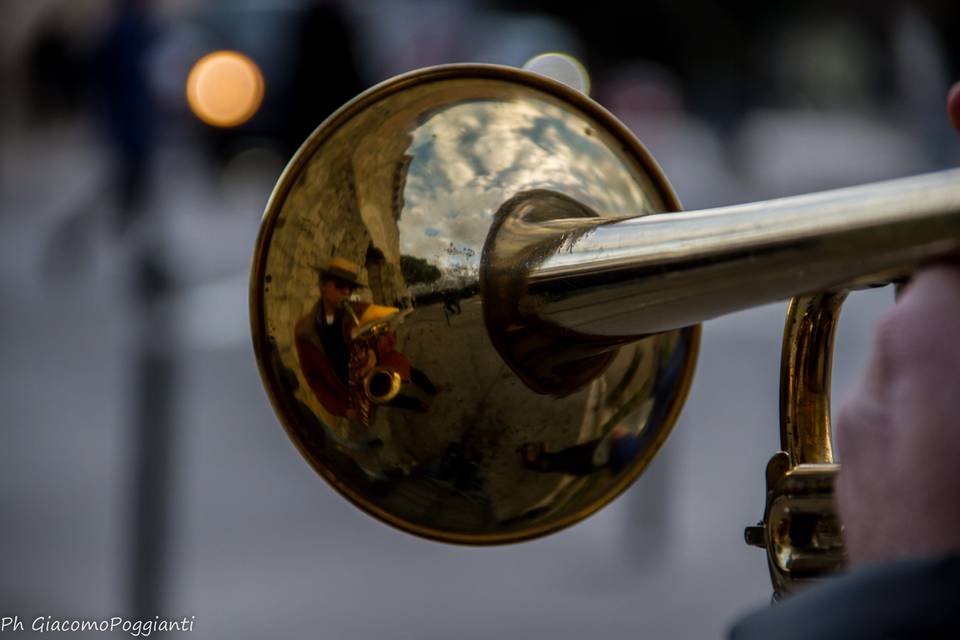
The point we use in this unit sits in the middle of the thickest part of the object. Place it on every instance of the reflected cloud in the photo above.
(467, 159)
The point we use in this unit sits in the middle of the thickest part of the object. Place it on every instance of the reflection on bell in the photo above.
(392, 201)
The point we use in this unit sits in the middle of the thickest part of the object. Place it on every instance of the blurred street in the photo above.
(257, 545)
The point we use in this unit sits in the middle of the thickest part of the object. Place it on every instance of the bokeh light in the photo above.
(225, 88)
(561, 67)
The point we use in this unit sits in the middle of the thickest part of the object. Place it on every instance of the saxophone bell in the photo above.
(381, 385)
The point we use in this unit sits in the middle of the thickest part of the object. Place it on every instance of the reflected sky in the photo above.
(469, 158)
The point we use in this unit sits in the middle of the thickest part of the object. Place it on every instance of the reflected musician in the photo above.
(347, 349)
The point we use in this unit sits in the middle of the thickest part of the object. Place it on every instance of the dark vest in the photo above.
(333, 341)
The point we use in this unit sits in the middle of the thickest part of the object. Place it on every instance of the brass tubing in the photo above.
(805, 366)
(654, 273)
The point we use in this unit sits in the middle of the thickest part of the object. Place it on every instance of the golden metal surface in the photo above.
(803, 535)
(805, 377)
(800, 531)
(543, 307)
(406, 182)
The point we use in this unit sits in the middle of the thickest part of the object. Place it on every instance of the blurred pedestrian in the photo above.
(124, 105)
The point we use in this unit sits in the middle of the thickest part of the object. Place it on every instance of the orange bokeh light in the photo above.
(225, 88)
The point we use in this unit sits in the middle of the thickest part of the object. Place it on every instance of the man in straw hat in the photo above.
(325, 335)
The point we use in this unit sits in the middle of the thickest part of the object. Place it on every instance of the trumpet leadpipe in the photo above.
(660, 272)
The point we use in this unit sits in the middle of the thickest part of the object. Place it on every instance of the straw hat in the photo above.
(342, 269)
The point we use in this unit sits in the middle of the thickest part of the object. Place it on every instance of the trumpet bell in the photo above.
(503, 431)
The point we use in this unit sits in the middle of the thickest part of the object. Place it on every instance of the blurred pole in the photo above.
(128, 119)
(154, 437)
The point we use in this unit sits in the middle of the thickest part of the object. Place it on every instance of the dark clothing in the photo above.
(904, 599)
(125, 105)
(324, 353)
(325, 34)
(332, 339)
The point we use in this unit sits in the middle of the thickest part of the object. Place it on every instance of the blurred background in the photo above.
(142, 471)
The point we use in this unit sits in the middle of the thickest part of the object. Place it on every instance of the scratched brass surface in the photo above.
(406, 182)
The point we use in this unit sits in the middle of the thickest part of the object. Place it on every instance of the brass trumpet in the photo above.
(555, 295)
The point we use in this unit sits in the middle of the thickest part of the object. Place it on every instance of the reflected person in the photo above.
(324, 334)
(615, 451)
(337, 349)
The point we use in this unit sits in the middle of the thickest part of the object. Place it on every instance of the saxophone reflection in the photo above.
(347, 351)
